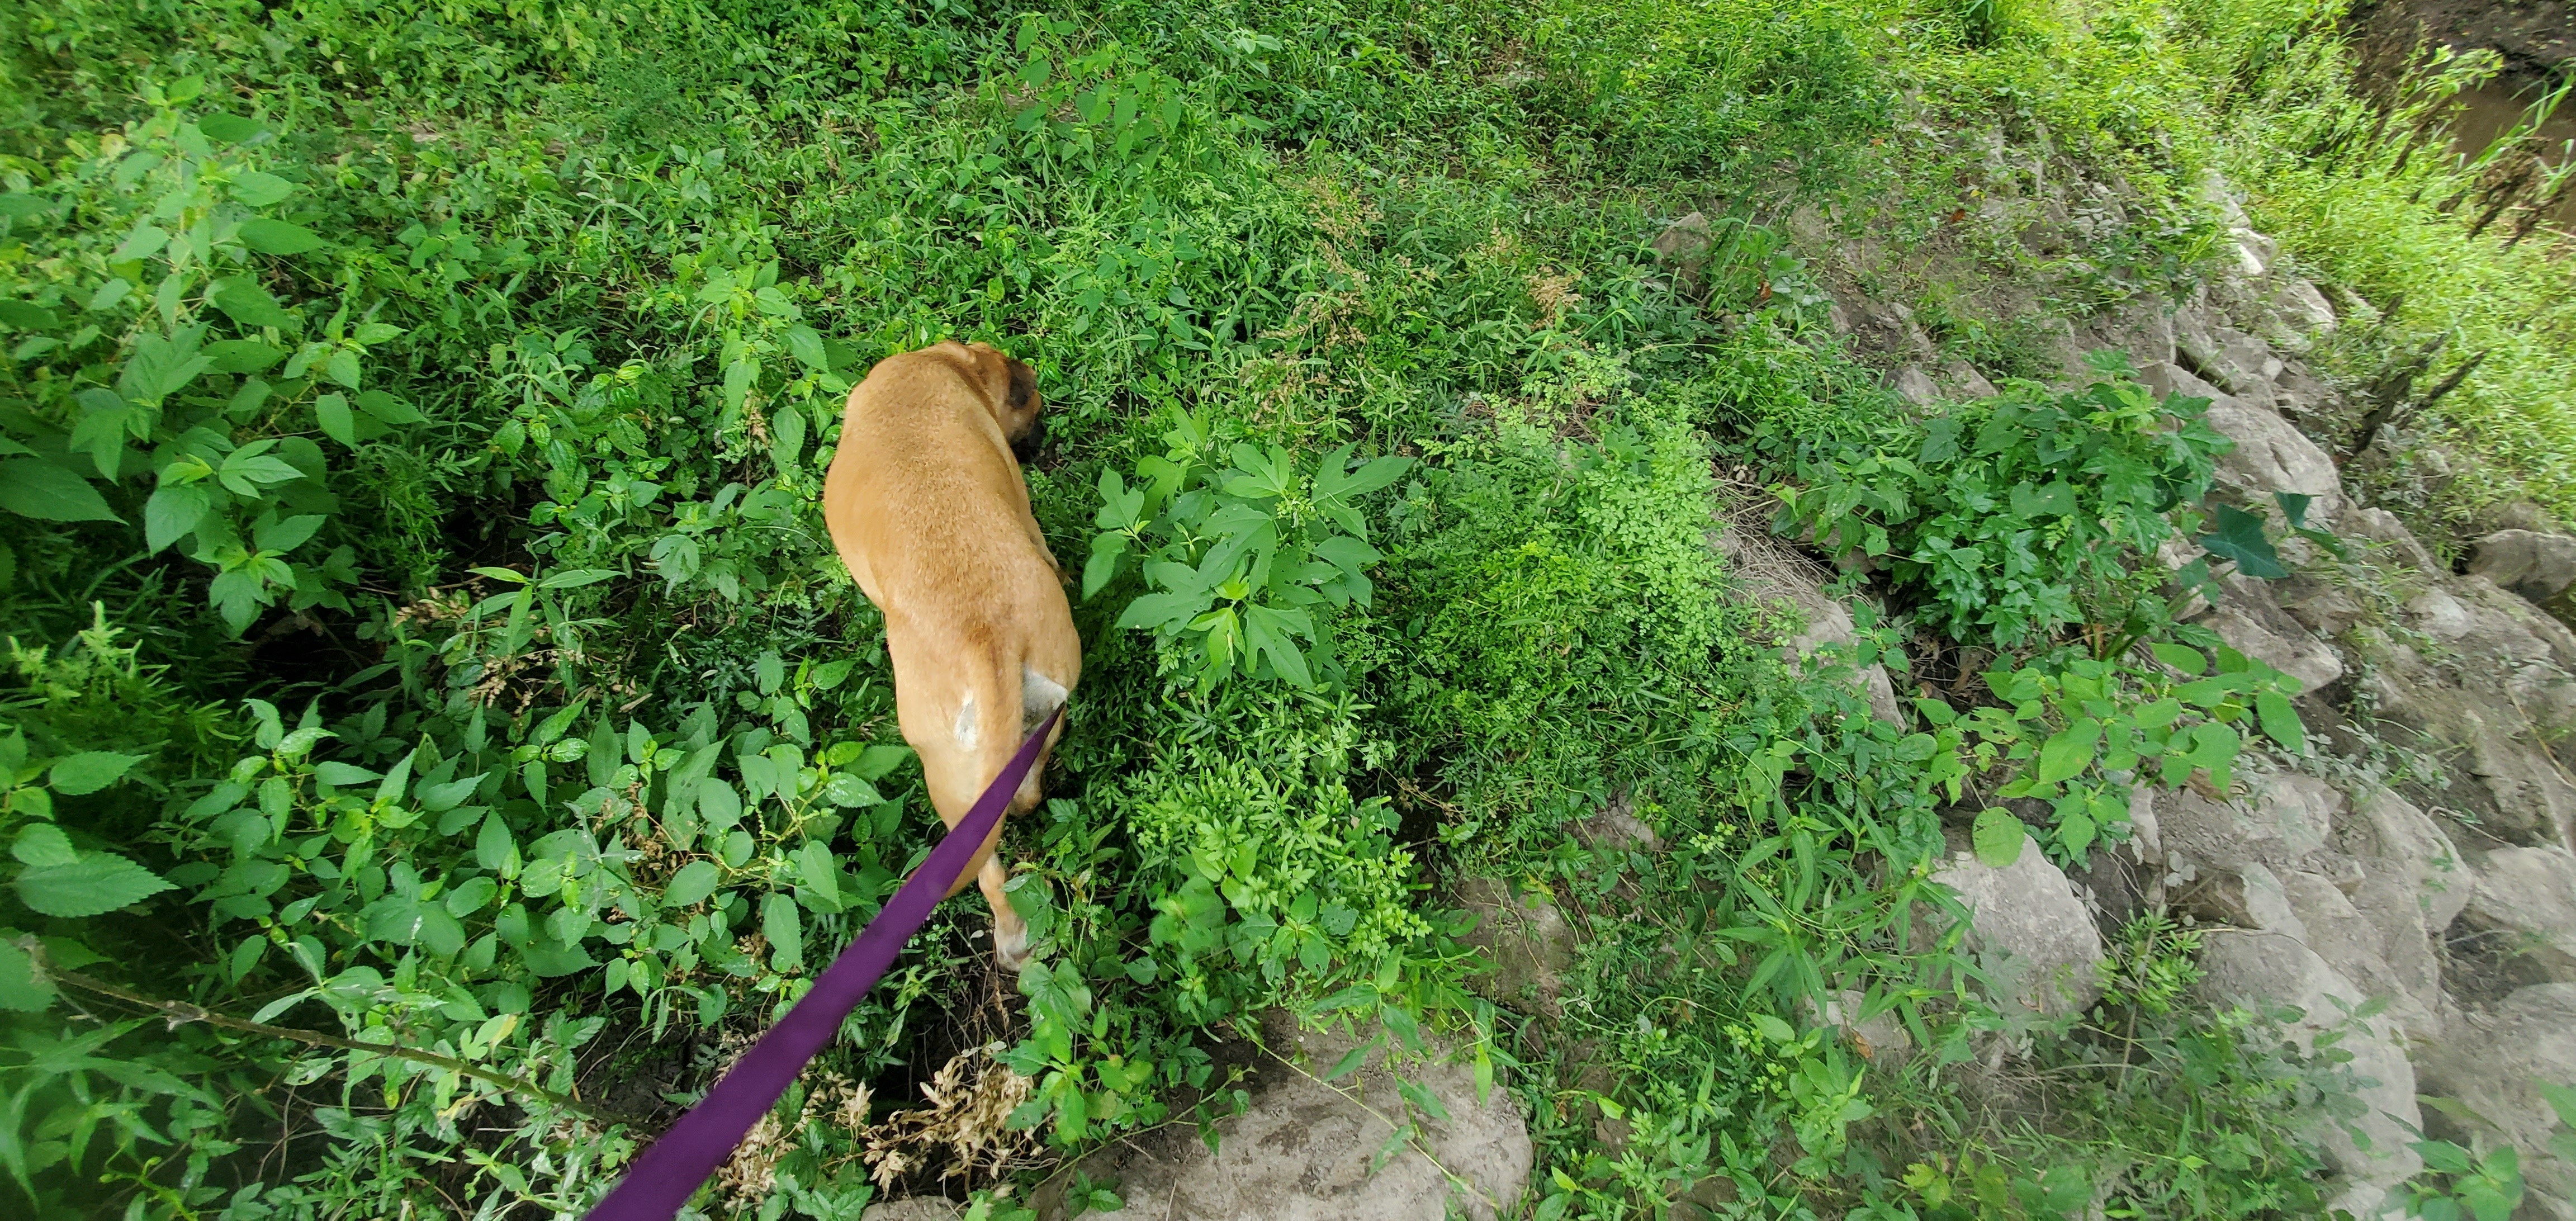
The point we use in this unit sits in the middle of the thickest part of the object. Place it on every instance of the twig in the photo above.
(176, 1012)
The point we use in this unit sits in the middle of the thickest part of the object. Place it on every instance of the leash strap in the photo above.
(670, 1171)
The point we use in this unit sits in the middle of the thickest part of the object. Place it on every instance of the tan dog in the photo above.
(927, 506)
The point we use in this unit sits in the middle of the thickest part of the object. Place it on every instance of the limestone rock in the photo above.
(2528, 895)
(2334, 928)
(1770, 571)
(1527, 940)
(2270, 456)
(1302, 1151)
(2253, 624)
(1917, 386)
(2382, 527)
(2538, 566)
(2254, 968)
(2495, 1063)
(2302, 307)
(2412, 886)
(2028, 914)
(913, 1208)
(1685, 245)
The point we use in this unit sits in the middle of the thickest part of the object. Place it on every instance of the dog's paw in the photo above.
(1011, 947)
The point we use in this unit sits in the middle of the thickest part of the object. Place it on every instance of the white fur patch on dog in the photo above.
(1039, 695)
(968, 727)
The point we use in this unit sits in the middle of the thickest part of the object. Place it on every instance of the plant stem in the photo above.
(183, 1011)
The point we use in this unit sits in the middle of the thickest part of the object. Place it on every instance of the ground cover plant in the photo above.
(426, 658)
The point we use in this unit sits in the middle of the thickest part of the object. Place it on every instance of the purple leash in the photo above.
(671, 1170)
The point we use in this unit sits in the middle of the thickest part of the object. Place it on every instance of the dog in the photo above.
(927, 507)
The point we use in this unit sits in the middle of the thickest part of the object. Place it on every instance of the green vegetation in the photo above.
(423, 631)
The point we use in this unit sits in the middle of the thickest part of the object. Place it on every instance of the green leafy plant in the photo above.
(2072, 737)
(1239, 551)
(2012, 518)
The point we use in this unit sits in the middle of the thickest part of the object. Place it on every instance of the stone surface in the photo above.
(2538, 566)
(2395, 540)
(2495, 1062)
(2303, 307)
(2284, 817)
(2412, 885)
(1917, 386)
(2257, 968)
(1302, 1151)
(1685, 245)
(2027, 914)
(2271, 456)
(2253, 624)
(913, 1208)
(2527, 896)
(1770, 572)
(1526, 939)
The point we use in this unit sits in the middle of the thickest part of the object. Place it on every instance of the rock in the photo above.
(2270, 456)
(1964, 380)
(2253, 624)
(2520, 515)
(2495, 1063)
(2332, 927)
(1770, 571)
(2528, 895)
(2165, 377)
(913, 1208)
(2299, 395)
(1526, 939)
(1916, 385)
(2302, 307)
(2285, 817)
(2249, 896)
(1685, 245)
(2382, 527)
(2412, 886)
(2259, 968)
(2325, 609)
(2501, 773)
(1876, 1039)
(1302, 1151)
(1618, 829)
(2538, 566)
(2028, 914)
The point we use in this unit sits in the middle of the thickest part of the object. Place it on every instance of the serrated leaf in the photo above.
(1998, 838)
(43, 845)
(89, 771)
(33, 487)
(97, 882)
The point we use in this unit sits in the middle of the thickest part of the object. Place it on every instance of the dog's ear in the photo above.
(1023, 387)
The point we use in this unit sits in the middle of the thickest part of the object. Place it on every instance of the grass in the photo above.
(426, 632)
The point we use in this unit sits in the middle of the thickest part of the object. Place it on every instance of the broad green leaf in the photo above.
(1998, 837)
(1106, 548)
(2186, 660)
(784, 925)
(260, 189)
(43, 845)
(19, 990)
(338, 423)
(2281, 721)
(33, 487)
(2239, 537)
(693, 883)
(2069, 751)
(229, 128)
(97, 882)
(388, 408)
(269, 236)
(26, 315)
(90, 771)
(241, 355)
(806, 345)
(342, 367)
(245, 301)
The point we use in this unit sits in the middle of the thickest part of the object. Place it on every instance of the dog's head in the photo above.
(1011, 389)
